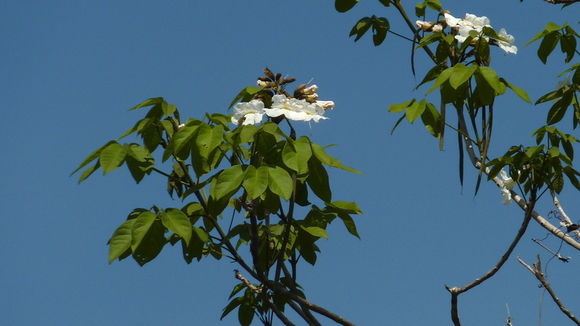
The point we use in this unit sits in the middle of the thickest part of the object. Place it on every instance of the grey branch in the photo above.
(539, 274)
(456, 291)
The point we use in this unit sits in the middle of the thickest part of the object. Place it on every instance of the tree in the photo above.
(264, 173)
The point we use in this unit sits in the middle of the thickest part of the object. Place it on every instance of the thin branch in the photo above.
(399, 6)
(301, 301)
(567, 221)
(537, 272)
(456, 291)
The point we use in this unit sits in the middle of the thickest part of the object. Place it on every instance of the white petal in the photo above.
(452, 21)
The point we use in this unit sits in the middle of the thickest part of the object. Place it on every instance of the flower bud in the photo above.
(327, 105)
(262, 83)
(310, 90)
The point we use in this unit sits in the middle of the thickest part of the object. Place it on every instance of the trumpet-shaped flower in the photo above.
(251, 112)
(293, 109)
(508, 46)
(504, 189)
(473, 23)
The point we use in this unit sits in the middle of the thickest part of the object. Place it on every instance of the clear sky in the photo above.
(71, 69)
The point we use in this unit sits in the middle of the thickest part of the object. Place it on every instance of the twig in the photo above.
(537, 272)
(301, 301)
(555, 254)
(456, 291)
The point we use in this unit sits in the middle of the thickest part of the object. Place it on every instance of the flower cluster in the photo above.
(506, 187)
(473, 23)
(463, 26)
(292, 109)
(302, 106)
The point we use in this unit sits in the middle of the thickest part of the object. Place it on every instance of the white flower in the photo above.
(252, 112)
(293, 109)
(507, 184)
(508, 46)
(327, 105)
(473, 23)
(423, 25)
(437, 28)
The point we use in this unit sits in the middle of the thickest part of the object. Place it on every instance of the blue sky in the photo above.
(71, 69)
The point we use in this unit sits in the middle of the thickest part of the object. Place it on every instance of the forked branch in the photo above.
(539, 274)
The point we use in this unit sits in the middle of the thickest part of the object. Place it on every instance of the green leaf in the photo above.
(559, 108)
(176, 221)
(547, 46)
(140, 228)
(120, 241)
(349, 224)
(228, 182)
(415, 110)
(431, 74)
(315, 231)
(231, 306)
(324, 158)
(149, 102)
(245, 95)
(443, 77)
(344, 5)
(92, 157)
(385, 3)
(151, 244)
(168, 109)
(550, 27)
(380, 28)
(318, 180)
(461, 74)
(492, 79)
(360, 28)
(112, 156)
(87, 173)
(245, 314)
(280, 182)
(139, 161)
(347, 207)
(432, 120)
(396, 108)
(180, 139)
(256, 181)
(519, 92)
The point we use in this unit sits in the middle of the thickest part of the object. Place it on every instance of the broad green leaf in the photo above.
(139, 161)
(151, 244)
(200, 234)
(176, 221)
(550, 27)
(559, 108)
(180, 139)
(256, 181)
(519, 92)
(208, 138)
(380, 28)
(443, 77)
(168, 109)
(112, 156)
(324, 158)
(461, 74)
(120, 241)
(315, 231)
(149, 102)
(360, 28)
(92, 157)
(492, 79)
(432, 120)
(415, 110)
(289, 156)
(547, 46)
(318, 180)
(431, 74)
(245, 314)
(344, 5)
(280, 182)
(247, 133)
(228, 182)
(296, 154)
(140, 228)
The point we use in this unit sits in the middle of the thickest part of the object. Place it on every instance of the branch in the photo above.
(515, 197)
(537, 272)
(456, 291)
(567, 221)
(301, 301)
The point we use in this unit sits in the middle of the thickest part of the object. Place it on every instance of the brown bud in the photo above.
(288, 80)
(269, 73)
(278, 78)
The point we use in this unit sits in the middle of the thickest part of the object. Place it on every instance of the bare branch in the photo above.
(539, 274)
(566, 220)
(456, 291)
(301, 301)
